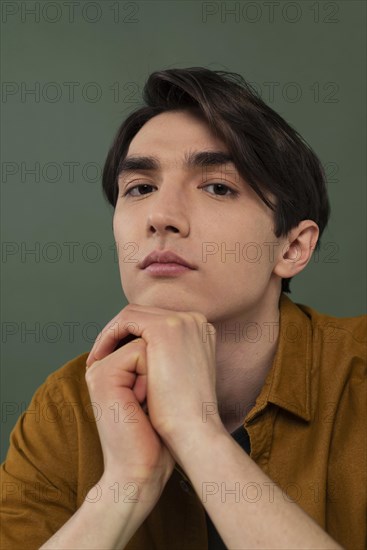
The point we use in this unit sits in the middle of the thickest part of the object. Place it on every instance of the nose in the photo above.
(168, 212)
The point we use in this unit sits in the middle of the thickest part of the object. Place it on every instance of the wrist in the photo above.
(186, 441)
(112, 511)
(125, 491)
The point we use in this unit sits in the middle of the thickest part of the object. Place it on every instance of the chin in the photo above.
(164, 300)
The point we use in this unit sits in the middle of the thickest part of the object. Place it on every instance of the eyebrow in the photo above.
(200, 159)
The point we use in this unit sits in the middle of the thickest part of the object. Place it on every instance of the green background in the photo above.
(307, 59)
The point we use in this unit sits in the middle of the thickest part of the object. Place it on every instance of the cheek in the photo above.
(239, 262)
(240, 242)
(124, 231)
(127, 252)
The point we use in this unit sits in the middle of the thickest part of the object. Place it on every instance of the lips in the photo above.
(166, 257)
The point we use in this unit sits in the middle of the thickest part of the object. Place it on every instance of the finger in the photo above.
(131, 358)
(111, 335)
(94, 355)
(111, 328)
(140, 387)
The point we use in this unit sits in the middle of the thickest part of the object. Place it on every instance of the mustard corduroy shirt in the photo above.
(307, 432)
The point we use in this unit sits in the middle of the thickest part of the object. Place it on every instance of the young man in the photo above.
(235, 418)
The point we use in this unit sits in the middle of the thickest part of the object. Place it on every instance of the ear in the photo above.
(297, 249)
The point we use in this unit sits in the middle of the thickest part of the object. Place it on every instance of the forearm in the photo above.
(219, 471)
(108, 518)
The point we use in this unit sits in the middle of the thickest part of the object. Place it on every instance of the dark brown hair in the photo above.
(268, 153)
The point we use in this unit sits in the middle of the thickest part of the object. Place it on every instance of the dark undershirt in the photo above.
(215, 541)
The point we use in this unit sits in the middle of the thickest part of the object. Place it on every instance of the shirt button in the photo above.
(184, 486)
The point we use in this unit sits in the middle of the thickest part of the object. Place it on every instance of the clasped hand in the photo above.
(170, 366)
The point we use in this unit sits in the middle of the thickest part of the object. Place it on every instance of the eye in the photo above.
(129, 191)
(222, 187)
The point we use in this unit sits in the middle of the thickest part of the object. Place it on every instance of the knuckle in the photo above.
(212, 328)
(179, 319)
(90, 370)
(200, 317)
(139, 342)
(97, 338)
(173, 321)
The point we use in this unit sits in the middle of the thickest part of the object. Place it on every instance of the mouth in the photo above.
(167, 269)
(165, 257)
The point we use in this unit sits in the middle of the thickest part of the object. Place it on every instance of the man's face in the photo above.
(182, 210)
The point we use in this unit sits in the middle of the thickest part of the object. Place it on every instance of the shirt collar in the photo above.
(288, 381)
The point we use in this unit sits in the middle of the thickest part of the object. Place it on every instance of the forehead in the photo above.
(178, 139)
(173, 130)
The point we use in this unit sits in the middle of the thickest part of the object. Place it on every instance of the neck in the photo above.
(245, 350)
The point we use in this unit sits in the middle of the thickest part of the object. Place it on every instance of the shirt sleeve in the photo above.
(346, 516)
(38, 485)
